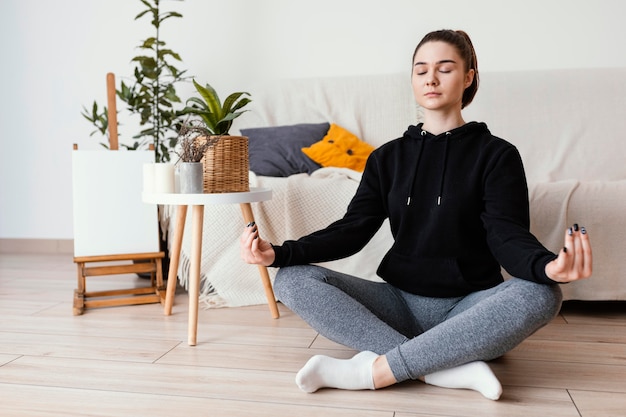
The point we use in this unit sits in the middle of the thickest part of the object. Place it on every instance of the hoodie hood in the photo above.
(422, 136)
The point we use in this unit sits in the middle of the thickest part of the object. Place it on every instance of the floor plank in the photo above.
(251, 385)
(34, 401)
(600, 404)
(557, 374)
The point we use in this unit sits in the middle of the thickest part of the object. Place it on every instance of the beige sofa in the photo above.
(569, 125)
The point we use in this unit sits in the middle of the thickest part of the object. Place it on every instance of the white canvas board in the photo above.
(109, 216)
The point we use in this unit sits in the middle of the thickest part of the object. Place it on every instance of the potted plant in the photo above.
(217, 116)
(193, 145)
(226, 162)
(151, 95)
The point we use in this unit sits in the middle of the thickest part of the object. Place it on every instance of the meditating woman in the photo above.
(457, 202)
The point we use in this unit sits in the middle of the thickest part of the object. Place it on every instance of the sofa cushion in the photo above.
(340, 148)
(277, 151)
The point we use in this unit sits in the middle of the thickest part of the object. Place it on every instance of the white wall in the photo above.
(55, 56)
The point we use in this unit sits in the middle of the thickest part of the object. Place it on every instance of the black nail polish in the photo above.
(575, 227)
(570, 231)
(583, 230)
(250, 224)
(254, 230)
(564, 249)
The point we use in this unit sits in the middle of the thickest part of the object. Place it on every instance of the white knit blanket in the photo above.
(300, 204)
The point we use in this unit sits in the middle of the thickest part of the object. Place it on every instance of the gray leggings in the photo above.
(419, 335)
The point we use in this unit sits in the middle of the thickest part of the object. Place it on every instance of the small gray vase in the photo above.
(190, 177)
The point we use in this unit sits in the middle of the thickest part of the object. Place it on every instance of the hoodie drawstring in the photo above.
(417, 164)
(445, 165)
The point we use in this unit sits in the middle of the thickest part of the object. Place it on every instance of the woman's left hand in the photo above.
(575, 259)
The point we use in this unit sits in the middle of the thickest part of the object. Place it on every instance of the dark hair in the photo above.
(461, 41)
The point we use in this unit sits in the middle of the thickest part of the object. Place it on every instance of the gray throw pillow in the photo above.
(277, 151)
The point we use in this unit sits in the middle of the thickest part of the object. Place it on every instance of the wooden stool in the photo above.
(114, 265)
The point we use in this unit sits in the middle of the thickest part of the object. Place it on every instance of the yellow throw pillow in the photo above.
(340, 148)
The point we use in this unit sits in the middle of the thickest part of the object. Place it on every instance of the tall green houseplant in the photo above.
(152, 94)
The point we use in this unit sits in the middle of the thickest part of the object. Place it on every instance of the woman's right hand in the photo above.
(255, 250)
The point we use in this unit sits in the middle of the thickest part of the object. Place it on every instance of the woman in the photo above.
(457, 201)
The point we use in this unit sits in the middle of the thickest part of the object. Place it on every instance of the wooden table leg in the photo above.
(194, 272)
(248, 216)
(79, 293)
(172, 280)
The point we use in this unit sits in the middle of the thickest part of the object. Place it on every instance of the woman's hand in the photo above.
(255, 250)
(575, 260)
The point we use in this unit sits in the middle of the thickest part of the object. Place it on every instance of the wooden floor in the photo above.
(134, 361)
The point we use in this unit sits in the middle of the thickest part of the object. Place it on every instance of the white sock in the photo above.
(476, 376)
(323, 371)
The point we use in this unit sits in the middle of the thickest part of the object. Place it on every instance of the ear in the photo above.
(469, 78)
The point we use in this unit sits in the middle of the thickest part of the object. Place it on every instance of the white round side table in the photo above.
(197, 202)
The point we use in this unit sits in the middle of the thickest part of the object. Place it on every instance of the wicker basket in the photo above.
(226, 166)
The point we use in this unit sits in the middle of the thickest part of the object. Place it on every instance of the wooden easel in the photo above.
(116, 264)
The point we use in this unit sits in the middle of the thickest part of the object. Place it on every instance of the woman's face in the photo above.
(439, 77)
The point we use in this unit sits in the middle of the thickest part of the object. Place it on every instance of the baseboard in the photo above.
(51, 246)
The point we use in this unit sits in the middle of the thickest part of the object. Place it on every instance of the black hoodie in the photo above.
(457, 204)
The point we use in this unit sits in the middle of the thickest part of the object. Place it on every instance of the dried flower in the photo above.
(194, 139)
